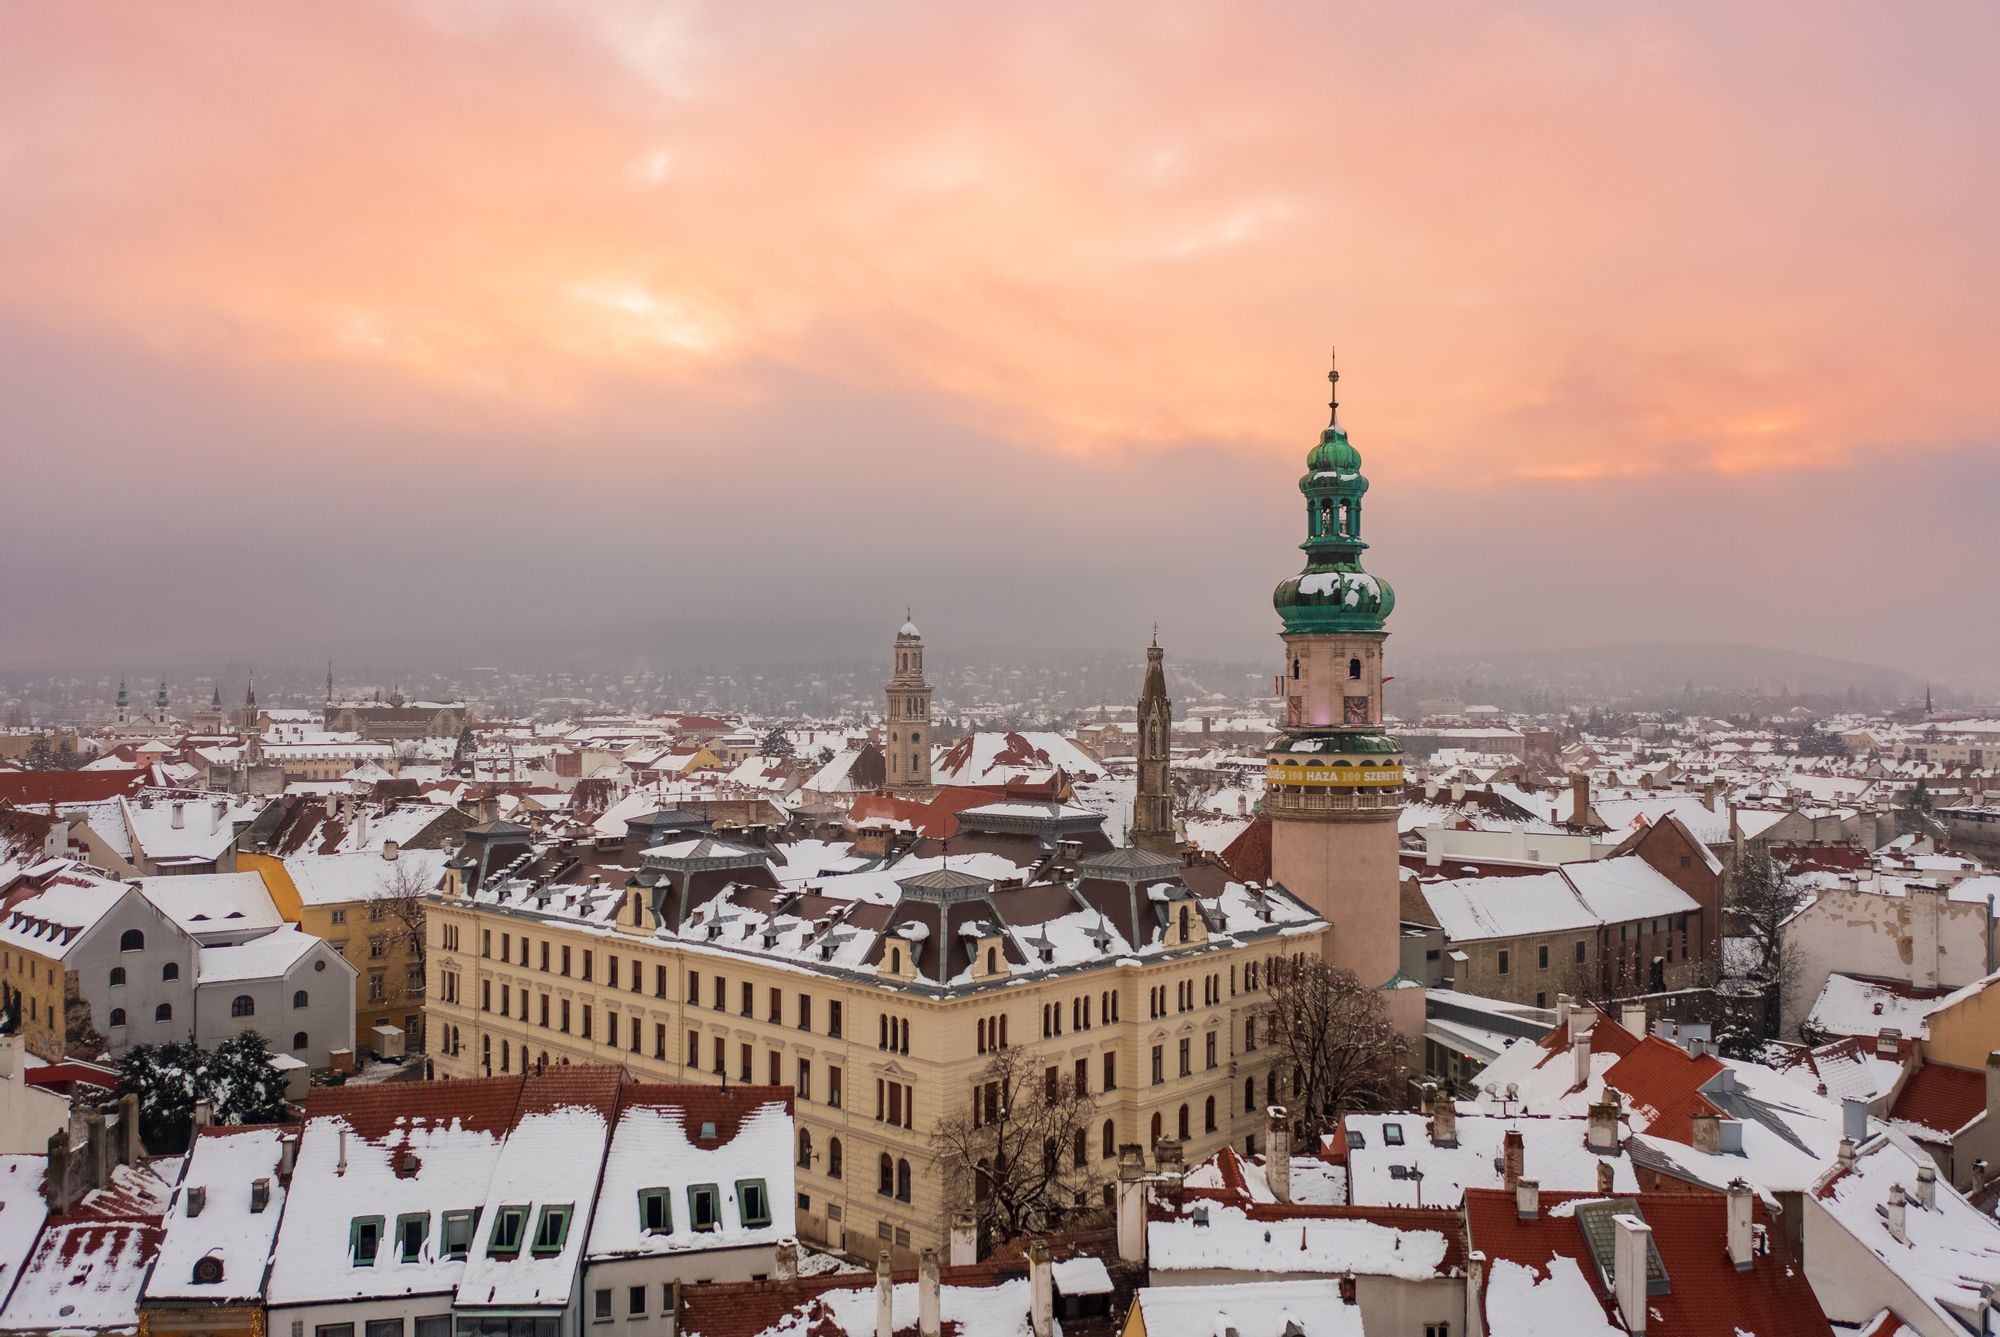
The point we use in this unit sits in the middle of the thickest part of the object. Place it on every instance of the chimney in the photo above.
(785, 1266)
(1579, 799)
(1513, 1157)
(1896, 1214)
(885, 1298)
(1845, 1156)
(1348, 1291)
(1707, 1137)
(1628, 1263)
(1457, 791)
(288, 1156)
(930, 1296)
(204, 1113)
(10, 1054)
(1854, 1119)
(1927, 1187)
(1527, 1199)
(1131, 1204)
(1562, 1010)
(964, 1240)
(180, 814)
(340, 1166)
(131, 1149)
(1579, 1060)
(1444, 1119)
(260, 1194)
(1607, 1180)
(1278, 1156)
(197, 1199)
(214, 816)
(1603, 1134)
(1041, 1290)
(1738, 1194)
(1633, 1017)
(1886, 1039)
(390, 849)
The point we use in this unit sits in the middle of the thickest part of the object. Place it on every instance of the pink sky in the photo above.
(1615, 271)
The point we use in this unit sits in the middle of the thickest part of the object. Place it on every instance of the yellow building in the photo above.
(370, 906)
(1965, 1026)
(879, 996)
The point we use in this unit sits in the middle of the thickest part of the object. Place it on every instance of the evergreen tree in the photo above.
(464, 755)
(777, 744)
(239, 1079)
(163, 1078)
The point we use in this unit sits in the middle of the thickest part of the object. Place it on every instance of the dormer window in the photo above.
(552, 1230)
(412, 1230)
(656, 1211)
(458, 1233)
(753, 1201)
(364, 1240)
(704, 1207)
(508, 1227)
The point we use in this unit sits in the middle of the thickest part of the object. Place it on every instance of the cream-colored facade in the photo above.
(508, 988)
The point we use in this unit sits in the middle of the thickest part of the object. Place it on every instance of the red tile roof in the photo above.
(25, 789)
(1708, 1297)
(746, 1308)
(1248, 857)
(1941, 1098)
(699, 1105)
(1661, 1081)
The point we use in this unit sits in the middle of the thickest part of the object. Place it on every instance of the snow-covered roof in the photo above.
(21, 1211)
(362, 875)
(1853, 1005)
(210, 905)
(1309, 1308)
(83, 1276)
(672, 1137)
(269, 957)
(1219, 1236)
(236, 1224)
(1556, 1153)
(1574, 896)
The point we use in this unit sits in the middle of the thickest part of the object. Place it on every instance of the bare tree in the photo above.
(402, 902)
(1764, 898)
(1334, 1032)
(1019, 1160)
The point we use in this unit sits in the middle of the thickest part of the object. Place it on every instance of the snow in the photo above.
(1255, 1309)
(1520, 1302)
(1232, 1241)
(1555, 1153)
(225, 1163)
(21, 1212)
(1849, 1005)
(651, 1149)
(268, 957)
(551, 1158)
(361, 875)
(214, 905)
(976, 1311)
(83, 1275)
(1082, 1276)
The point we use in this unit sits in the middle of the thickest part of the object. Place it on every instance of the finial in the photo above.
(1156, 635)
(1333, 380)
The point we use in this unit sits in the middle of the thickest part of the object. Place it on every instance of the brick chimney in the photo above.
(1131, 1204)
(1629, 1252)
(1603, 1133)
(1579, 1060)
(1927, 1187)
(1707, 1138)
(1633, 1017)
(1887, 1042)
(1278, 1154)
(785, 1267)
(1444, 1119)
(1513, 1157)
(1579, 799)
(1738, 1195)
(1897, 1209)
(964, 1240)
(1607, 1179)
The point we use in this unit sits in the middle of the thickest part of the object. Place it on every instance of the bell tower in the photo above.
(1334, 778)
(1153, 809)
(906, 728)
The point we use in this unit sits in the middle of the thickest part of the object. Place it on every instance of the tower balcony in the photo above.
(1328, 804)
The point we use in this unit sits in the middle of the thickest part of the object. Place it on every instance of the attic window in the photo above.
(364, 1240)
(753, 1202)
(708, 1130)
(411, 1231)
(208, 1270)
(508, 1227)
(458, 1233)
(656, 1211)
(1392, 1134)
(705, 1207)
(552, 1229)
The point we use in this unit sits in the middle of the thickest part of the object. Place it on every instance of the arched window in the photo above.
(1110, 1138)
(833, 1164)
(1295, 666)
(243, 1005)
(1208, 1116)
(1159, 1129)
(885, 1175)
(1249, 1094)
(1079, 1149)
(1354, 668)
(298, 1040)
(170, 971)
(506, 1054)
(131, 940)
(1271, 1087)
(992, 960)
(902, 1181)
(1184, 923)
(895, 960)
(117, 1016)
(1184, 1123)
(1346, 516)
(117, 977)
(299, 998)
(805, 1149)
(164, 1012)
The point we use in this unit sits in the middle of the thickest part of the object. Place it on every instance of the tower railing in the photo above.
(1291, 801)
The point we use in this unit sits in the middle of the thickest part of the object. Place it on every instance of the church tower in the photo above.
(246, 718)
(160, 700)
(1334, 778)
(124, 702)
(1153, 809)
(906, 735)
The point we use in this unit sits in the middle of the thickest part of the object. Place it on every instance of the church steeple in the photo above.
(1153, 809)
(160, 697)
(124, 702)
(906, 732)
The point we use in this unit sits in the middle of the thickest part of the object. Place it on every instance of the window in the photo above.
(131, 940)
(1110, 1071)
(833, 1086)
(117, 977)
(805, 1012)
(457, 1234)
(509, 1224)
(804, 1085)
(333, 1330)
(364, 1240)
(243, 1005)
(902, 1181)
(833, 1162)
(1579, 951)
(885, 1175)
(552, 1229)
(298, 1040)
(635, 1301)
(298, 998)
(777, 1013)
(1110, 1139)
(117, 1016)
(1159, 1064)
(170, 971)
(1392, 1134)
(1208, 1116)
(1505, 960)
(411, 1231)
(565, 958)
(164, 1012)
(656, 1211)
(1187, 1062)
(600, 1305)
(753, 1201)
(1542, 958)
(383, 1327)
(749, 998)
(704, 1207)
(833, 1018)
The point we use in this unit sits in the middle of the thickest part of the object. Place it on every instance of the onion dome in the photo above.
(1333, 593)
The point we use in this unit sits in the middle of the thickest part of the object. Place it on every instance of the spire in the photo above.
(329, 680)
(123, 699)
(216, 701)
(250, 690)
(1153, 803)
(1334, 592)
(1333, 383)
(160, 697)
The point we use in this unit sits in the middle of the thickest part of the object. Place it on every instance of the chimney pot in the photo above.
(930, 1299)
(1927, 1187)
(1629, 1253)
(1278, 1156)
(1041, 1290)
(1740, 1236)
(1513, 1155)
(1527, 1199)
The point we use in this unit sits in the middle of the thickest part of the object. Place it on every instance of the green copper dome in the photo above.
(1333, 593)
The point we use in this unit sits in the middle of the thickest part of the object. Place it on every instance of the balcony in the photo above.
(1300, 801)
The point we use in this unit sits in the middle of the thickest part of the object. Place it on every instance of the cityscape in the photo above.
(559, 810)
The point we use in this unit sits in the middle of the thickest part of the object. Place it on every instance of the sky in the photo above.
(440, 326)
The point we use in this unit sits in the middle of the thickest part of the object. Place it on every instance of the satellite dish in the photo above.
(1513, 1091)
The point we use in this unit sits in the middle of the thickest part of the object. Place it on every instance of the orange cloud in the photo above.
(1556, 244)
